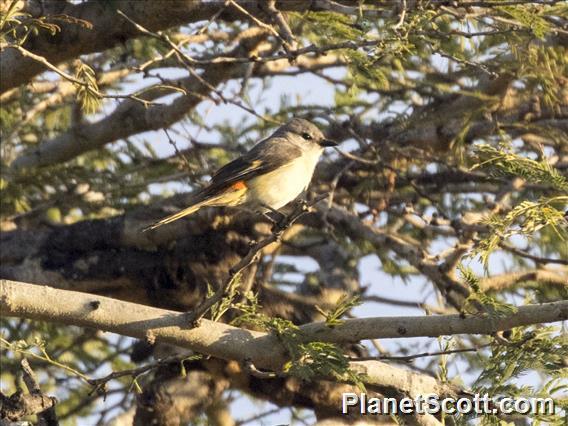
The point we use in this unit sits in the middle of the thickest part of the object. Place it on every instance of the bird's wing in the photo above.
(264, 157)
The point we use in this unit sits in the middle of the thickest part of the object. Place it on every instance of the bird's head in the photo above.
(305, 133)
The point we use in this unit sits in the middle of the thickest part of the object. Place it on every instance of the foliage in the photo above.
(503, 162)
(87, 94)
(343, 305)
(528, 350)
(310, 360)
(69, 358)
(221, 307)
(478, 302)
(527, 217)
(452, 122)
(17, 25)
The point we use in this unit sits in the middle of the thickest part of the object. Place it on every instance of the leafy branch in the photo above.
(343, 305)
(308, 360)
(98, 385)
(506, 163)
(524, 219)
(478, 302)
(278, 231)
(527, 217)
(26, 349)
(16, 25)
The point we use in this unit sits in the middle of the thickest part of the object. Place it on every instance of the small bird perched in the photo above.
(269, 176)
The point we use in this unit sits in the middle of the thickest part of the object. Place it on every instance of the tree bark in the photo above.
(232, 343)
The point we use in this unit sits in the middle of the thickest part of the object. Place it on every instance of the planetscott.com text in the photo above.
(434, 404)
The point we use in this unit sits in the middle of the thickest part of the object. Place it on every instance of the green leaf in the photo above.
(343, 305)
(87, 93)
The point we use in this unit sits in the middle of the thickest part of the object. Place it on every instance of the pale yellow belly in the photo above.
(280, 187)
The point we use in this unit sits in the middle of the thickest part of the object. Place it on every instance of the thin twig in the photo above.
(536, 259)
(256, 20)
(257, 417)
(99, 385)
(189, 63)
(285, 31)
(68, 77)
(477, 65)
(408, 358)
(44, 356)
(26, 53)
(318, 50)
(406, 303)
(177, 151)
(402, 15)
(279, 228)
(356, 158)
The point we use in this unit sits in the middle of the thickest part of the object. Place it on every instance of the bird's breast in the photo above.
(283, 185)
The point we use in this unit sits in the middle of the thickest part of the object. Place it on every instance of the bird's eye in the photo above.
(307, 136)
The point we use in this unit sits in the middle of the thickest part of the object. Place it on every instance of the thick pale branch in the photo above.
(227, 342)
(106, 29)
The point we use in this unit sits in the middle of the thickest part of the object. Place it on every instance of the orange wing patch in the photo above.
(237, 186)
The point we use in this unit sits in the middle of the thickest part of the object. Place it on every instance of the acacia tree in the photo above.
(450, 179)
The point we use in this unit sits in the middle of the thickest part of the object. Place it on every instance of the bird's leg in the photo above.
(273, 211)
(277, 223)
(268, 217)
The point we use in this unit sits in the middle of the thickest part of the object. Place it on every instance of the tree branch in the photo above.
(47, 415)
(542, 276)
(107, 28)
(452, 289)
(131, 117)
(19, 405)
(228, 342)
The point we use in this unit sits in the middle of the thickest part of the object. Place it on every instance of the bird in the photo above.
(270, 175)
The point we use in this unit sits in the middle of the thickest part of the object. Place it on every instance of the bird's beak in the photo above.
(327, 143)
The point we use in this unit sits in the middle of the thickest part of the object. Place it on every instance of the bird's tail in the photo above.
(173, 217)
